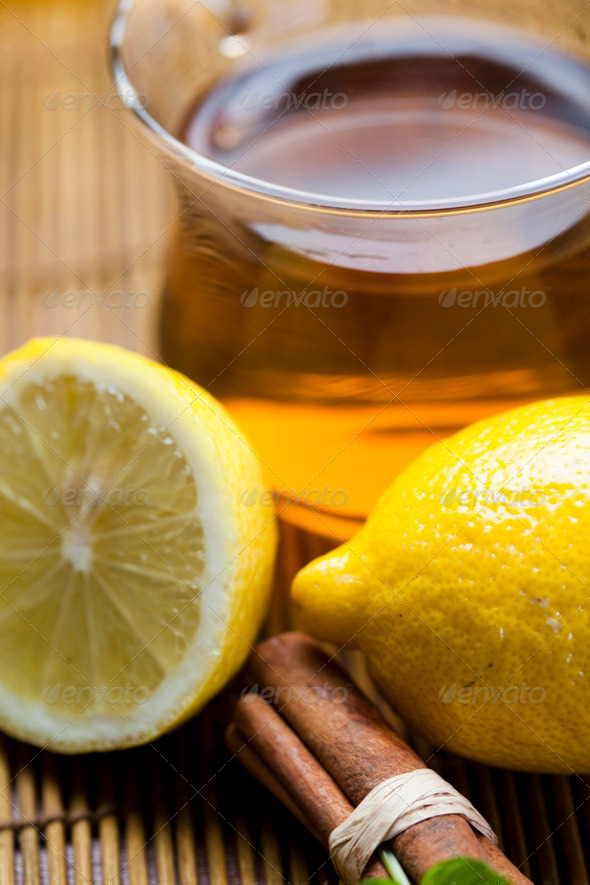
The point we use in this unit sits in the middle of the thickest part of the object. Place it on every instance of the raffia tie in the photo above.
(392, 807)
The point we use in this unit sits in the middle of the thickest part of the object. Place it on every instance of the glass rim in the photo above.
(311, 200)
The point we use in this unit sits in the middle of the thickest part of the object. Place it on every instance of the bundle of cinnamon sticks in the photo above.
(315, 741)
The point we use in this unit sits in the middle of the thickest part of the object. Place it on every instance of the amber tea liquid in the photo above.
(342, 362)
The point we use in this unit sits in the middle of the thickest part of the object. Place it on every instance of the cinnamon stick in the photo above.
(355, 745)
(308, 782)
(277, 756)
(238, 744)
(500, 863)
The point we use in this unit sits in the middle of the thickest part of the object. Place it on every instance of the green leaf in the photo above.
(462, 871)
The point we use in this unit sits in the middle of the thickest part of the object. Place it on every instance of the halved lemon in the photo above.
(133, 577)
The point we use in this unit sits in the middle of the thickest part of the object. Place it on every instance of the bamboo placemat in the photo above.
(85, 208)
(181, 811)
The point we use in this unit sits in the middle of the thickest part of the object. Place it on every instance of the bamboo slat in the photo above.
(108, 828)
(81, 833)
(51, 794)
(6, 814)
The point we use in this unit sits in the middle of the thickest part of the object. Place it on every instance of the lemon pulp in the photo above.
(102, 551)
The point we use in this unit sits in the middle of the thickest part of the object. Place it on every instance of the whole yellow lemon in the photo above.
(468, 589)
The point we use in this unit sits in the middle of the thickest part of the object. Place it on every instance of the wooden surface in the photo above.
(85, 214)
(85, 207)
